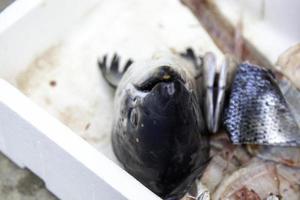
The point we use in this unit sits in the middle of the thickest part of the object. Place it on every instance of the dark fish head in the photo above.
(159, 133)
(158, 106)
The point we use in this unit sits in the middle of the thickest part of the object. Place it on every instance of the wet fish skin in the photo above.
(159, 134)
(257, 112)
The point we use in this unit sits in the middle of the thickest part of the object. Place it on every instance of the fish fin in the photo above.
(220, 96)
(197, 61)
(111, 72)
(209, 73)
(224, 81)
(216, 86)
(214, 95)
(257, 112)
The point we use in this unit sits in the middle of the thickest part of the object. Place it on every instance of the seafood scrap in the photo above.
(166, 107)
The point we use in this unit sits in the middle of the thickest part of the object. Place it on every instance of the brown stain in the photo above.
(253, 149)
(246, 194)
(288, 162)
(72, 116)
(29, 184)
(87, 126)
(53, 83)
(46, 61)
(67, 116)
(228, 38)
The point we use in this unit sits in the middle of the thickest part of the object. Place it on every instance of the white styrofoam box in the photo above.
(71, 168)
(49, 51)
(271, 26)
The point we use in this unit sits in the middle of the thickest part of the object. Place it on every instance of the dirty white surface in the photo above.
(70, 167)
(65, 79)
(271, 26)
(17, 183)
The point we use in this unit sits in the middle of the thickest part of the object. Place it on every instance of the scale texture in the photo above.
(257, 112)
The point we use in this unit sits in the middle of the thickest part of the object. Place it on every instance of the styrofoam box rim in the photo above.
(70, 167)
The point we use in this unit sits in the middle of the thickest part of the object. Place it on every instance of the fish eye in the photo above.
(134, 117)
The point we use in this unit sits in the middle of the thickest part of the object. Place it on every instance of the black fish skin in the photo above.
(257, 112)
(159, 134)
(160, 139)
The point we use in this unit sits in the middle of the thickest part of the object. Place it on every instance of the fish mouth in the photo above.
(163, 74)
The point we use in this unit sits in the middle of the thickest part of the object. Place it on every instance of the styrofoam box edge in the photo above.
(264, 24)
(70, 167)
(28, 27)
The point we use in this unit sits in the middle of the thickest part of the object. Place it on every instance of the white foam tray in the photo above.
(264, 24)
(62, 132)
